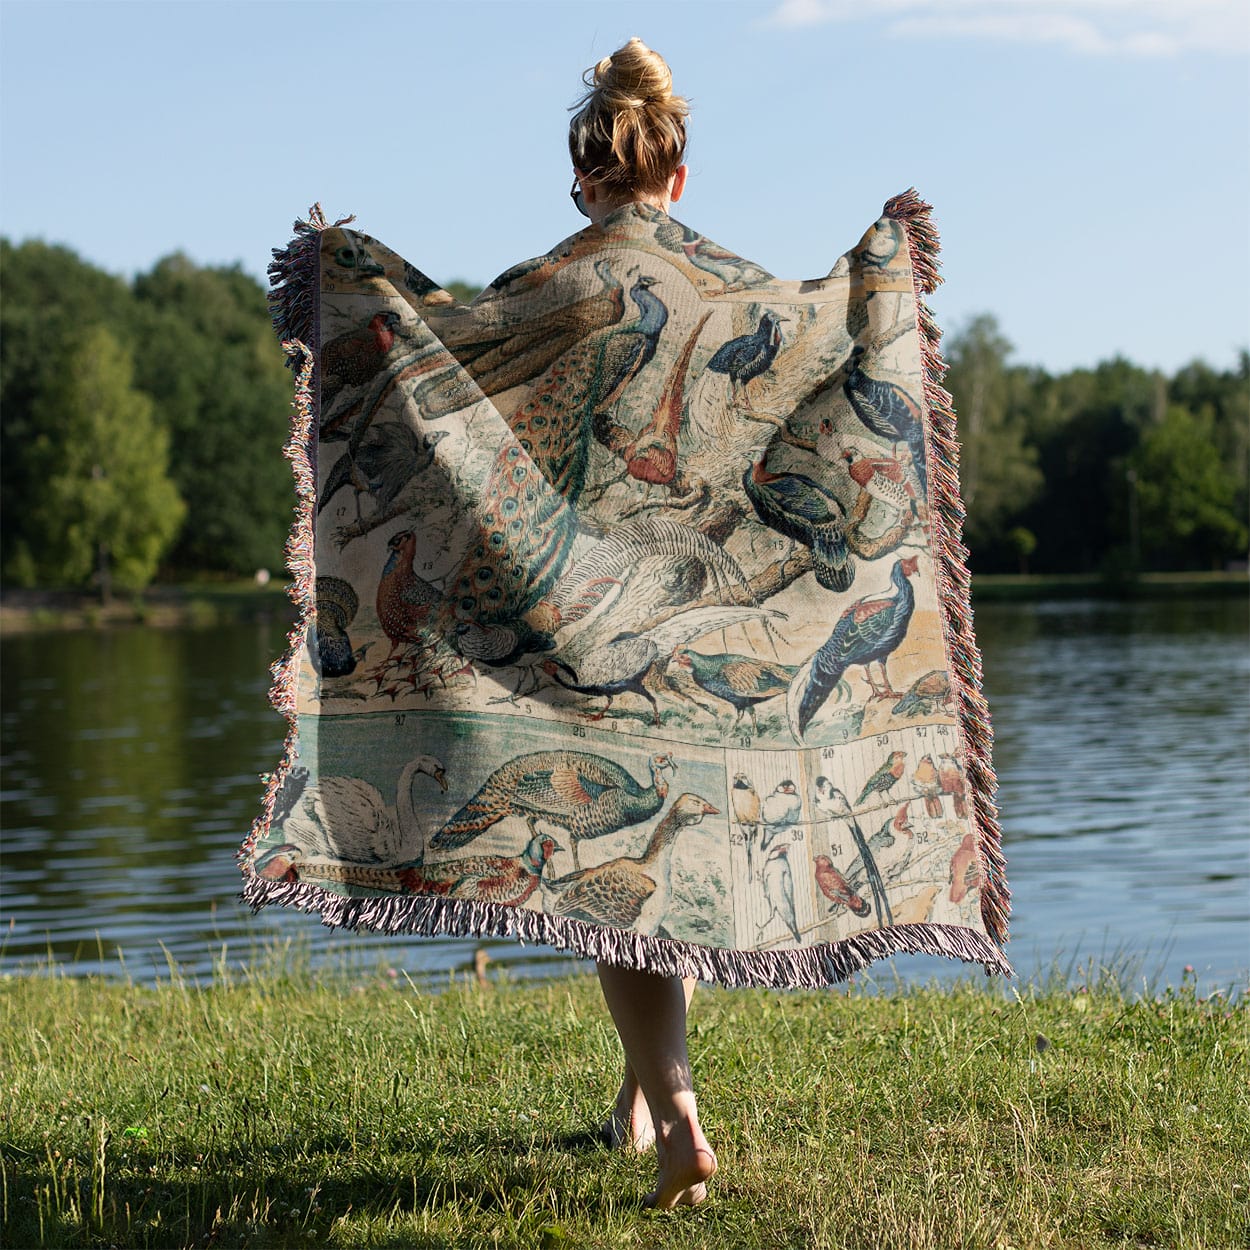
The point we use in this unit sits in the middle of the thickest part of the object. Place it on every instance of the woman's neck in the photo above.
(602, 208)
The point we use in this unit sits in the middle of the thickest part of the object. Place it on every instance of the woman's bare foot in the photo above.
(686, 1165)
(629, 1125)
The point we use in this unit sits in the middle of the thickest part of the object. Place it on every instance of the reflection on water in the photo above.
(131, 762)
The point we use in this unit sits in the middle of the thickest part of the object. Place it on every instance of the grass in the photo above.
(292, 1109)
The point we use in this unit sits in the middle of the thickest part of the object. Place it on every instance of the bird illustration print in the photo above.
(781, 810)
(584, 794)
(885, 778)
(926, 779)
(746, 809)
(833, 803)
(889, 412)
(953, 781)
(352, 360)
(834, 886)
(746, 358)
(866, 632)
(778, 881)
(630, 893)
(740, 680)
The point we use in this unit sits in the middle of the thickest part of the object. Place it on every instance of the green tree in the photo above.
(207, 355)
(1186, 494)
(997, 467)
(103, 502)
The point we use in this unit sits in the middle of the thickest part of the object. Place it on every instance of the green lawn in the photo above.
(290, 1110)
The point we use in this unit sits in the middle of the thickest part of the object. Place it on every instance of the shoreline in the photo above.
(202, 604)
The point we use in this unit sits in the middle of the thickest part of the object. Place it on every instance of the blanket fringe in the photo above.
(947, 510)
(807, 968)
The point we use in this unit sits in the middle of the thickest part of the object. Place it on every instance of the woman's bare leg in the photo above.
(629, 1125)
(650, 1015)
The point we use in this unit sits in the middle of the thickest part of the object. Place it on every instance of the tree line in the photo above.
(143, 423)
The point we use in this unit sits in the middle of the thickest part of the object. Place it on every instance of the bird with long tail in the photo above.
(868, 632)
(587, 795)
(889, 412)
(830, 800)
(810, 513)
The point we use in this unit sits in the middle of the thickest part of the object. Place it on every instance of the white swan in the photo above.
(344, 818)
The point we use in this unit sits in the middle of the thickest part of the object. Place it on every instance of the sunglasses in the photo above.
(576, 196)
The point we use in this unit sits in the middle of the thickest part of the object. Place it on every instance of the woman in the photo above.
(628, 141)
(641, 517)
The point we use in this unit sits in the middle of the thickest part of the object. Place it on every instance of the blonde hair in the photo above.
(629, 133)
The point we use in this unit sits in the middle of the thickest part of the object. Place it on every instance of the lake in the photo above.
(131, 759)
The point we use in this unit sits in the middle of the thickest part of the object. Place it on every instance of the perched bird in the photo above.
(404, 599)
(746, 809)
(885, 778)
(965, 869)
(778, 882)
(884, 478)
(881, 244)
(801, 508)
(925, 695)
(740, 680)
(869, 630)
(832, 802)
(926, 779)
(651, 455)
(889, 412)
(587, 795)
(352, 359)
(781, 810)
(625, 352)
(388, 457)
(329, 645)
(507, 880)
(630, 893)
(916, 910)
(745, 358)
(836, 889)
(729, 268)
(953, 781)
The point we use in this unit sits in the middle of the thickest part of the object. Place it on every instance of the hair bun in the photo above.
(629, 131)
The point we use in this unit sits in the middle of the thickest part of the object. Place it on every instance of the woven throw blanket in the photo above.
(635, 618)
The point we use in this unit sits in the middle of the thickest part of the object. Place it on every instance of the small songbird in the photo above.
(404, 598)
(745, 358)
(953, 781)
(867, 632)
(781, 810)
(779, 891)
(746, 809)
(885, 778)
(833, 885)
(965, 869)
(926, 779)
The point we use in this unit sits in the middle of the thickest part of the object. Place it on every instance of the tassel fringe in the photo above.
(954, 583)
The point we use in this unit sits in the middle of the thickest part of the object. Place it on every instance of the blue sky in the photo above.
(1089, 160)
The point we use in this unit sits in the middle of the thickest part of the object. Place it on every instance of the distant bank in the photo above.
(210, 603)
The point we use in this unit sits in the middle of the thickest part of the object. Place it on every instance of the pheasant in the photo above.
(925, 695)
(587, 795)
(740, 680)
(884, 478)
(869, 630)
(404, 599)
(630, 893)
(801, 508)
(329, 645)
(744, 359)
(889, 412)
